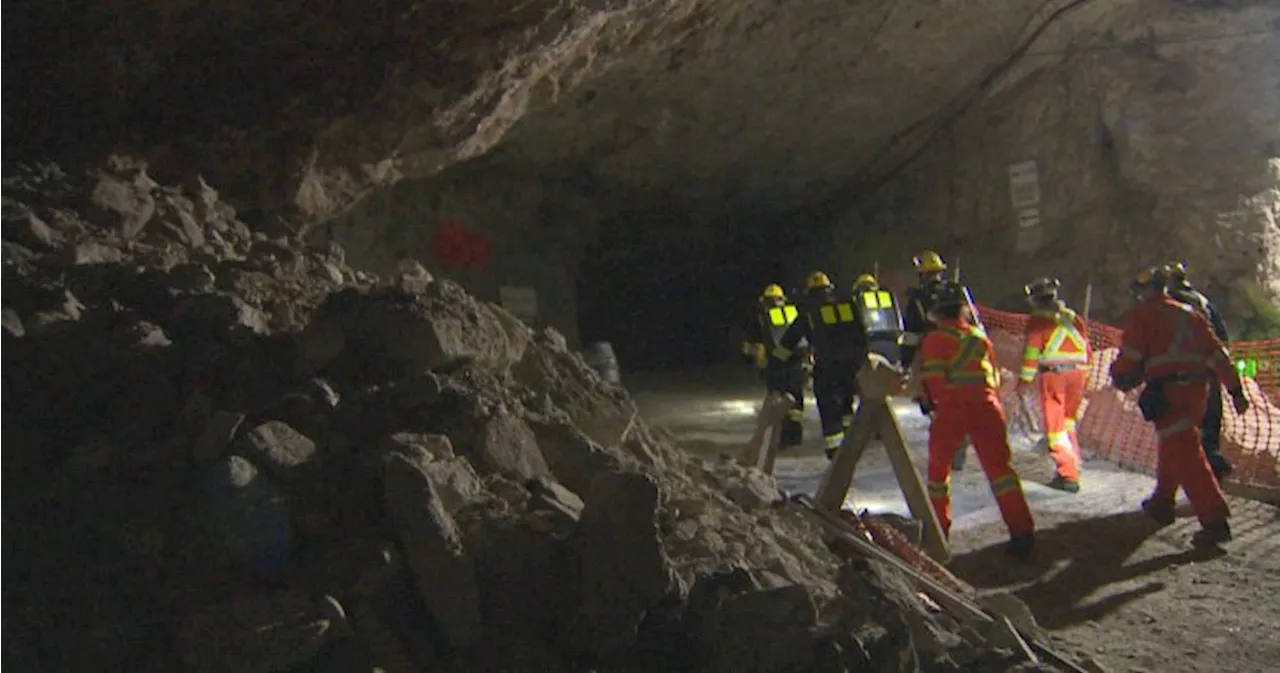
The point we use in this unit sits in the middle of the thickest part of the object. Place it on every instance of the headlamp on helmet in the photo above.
(1043, 289)
(1175, 274)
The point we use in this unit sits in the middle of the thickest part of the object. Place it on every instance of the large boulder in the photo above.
(571, 456)
(440, 327)
(455, 481)
(433, 548)
(126, 204)
(277, 447)
(624, 568)
(503, 444)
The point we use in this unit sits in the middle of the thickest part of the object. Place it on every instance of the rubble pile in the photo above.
(231, 453)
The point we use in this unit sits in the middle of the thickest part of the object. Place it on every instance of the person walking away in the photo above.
(838, 342)
(878, 311)
(915, 318)
(1057, 350)
(772, 316)
(960, 375)
(915, 323)
(1172, 349)
(1181, 291)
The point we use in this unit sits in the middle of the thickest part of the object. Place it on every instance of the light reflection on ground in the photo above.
(715, 417)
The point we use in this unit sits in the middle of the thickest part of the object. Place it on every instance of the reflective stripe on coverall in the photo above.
(1163, 338)
(1057, 350)
(959, 373)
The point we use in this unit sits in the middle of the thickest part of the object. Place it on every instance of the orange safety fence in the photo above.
(1111, 426)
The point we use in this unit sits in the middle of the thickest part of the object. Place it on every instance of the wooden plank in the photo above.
(775, 437)
(839, 475)
(932, 538)
(767, 424)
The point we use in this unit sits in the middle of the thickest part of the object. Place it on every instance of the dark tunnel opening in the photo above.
(667, 299)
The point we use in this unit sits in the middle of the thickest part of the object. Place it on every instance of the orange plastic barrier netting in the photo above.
(1111, 426)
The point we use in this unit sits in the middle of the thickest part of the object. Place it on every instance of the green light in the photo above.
(1247, 367)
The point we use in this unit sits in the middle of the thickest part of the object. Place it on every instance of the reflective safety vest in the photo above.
(955, 358)
(835, 333)
(775, 320)
(879, 314)
(1162, 338)
(1054, 339)
(1182, 352)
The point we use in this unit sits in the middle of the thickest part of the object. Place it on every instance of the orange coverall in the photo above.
(1167, 340)
(1057, 350)
(958, 371)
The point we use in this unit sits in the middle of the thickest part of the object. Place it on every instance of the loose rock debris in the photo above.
(232, 453)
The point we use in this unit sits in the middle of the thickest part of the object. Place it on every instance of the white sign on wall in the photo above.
(1030, 233)
(1024, 184)
(1024, 193)
(521, 302)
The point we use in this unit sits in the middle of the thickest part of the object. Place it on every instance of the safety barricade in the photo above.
(1111, 426)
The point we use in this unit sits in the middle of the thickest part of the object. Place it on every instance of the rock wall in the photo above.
(537, 227)
(714, 101)
(1157, 138)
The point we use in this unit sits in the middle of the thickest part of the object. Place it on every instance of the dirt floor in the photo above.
(1106, 583)
(1134, 597)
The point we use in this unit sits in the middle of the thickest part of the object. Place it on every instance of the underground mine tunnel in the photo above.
(263, 413)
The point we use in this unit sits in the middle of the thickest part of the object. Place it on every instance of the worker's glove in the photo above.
(761, 356)
(1239, 401)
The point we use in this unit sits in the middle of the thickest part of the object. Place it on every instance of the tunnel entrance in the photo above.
(670, 291)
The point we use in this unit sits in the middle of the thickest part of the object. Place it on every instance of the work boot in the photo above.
(1020, 546)
(831, 454)
(1061, 483)
(1212, 534)
(1161, 512)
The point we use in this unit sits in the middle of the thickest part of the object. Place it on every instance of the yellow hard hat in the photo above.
(773, 291)
(929, 262)
(816, 280)
(866, 282)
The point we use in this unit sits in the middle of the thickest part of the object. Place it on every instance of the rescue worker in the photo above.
(878, 311)
(1172, 349)
(915, 317)
(1181, 291)
(838, 343)
(768, 323)
(1057, 350)
(915, 323)
(959, 373)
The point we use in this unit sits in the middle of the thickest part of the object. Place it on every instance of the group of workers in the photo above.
(1173, 342)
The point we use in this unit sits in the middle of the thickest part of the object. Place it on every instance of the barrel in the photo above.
(599, 354)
